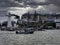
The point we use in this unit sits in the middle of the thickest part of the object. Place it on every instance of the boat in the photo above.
(25, 31)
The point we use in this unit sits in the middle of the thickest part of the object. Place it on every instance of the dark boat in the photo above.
(25, 31)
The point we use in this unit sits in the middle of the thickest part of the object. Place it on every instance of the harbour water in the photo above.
(48, 37)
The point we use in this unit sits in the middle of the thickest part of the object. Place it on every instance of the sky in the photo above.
(20, 7)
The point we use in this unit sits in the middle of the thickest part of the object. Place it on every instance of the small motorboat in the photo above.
(25, 31)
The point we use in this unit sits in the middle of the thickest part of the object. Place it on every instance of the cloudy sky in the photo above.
(22, 6)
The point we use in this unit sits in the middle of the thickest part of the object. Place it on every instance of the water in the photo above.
(49, 37)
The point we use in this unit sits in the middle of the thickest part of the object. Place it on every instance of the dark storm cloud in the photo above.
(54, 5)
(33, 3)
(51, 5)
(8, 3)
(18, 3)
(55, 2)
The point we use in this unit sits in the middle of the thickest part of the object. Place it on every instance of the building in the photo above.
(5, 16)
(31, 20)
(42, 18)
